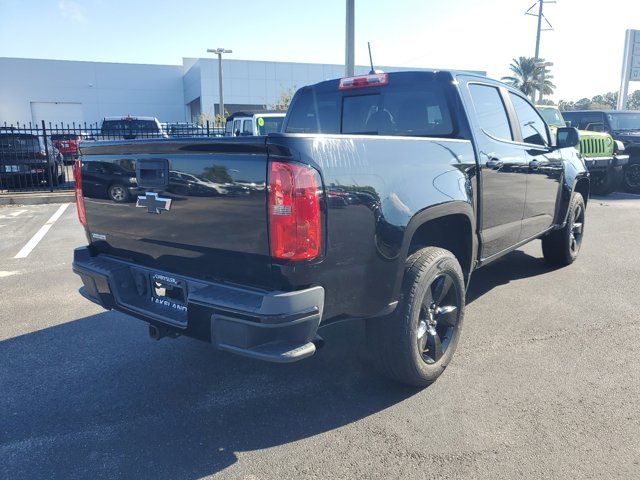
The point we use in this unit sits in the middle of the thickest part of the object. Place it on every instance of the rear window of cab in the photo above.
(409, 109)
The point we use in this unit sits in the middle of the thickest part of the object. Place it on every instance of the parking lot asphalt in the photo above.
(545, 382)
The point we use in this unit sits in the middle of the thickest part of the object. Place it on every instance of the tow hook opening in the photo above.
(156, 333)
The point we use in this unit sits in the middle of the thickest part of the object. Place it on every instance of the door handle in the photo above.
(494, 164)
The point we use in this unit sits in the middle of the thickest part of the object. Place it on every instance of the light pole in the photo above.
(349, 56)
(544, 66)
(219, 52)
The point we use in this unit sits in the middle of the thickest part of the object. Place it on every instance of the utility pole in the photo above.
(219, 52)
(349, 57)
(540, 15)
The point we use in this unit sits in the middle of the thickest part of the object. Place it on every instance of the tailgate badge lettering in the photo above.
(153, 203)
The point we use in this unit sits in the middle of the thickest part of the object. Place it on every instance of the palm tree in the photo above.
(529, 76)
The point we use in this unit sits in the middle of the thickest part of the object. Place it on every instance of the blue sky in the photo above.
(471, 34)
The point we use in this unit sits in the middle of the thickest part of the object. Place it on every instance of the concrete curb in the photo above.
(36, 198)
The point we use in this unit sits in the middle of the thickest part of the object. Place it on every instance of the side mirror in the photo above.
(567, 123)
(567, 137)
(236, 133)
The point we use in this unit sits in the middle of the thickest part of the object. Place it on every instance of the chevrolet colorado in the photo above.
(379, 199)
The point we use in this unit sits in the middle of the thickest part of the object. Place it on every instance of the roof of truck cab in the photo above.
(251, 113)
(453, 73)
(131, 117)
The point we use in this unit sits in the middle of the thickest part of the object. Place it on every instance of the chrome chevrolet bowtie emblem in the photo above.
(153, 203)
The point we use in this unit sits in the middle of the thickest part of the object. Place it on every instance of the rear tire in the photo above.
(561, 247)
(415, 344)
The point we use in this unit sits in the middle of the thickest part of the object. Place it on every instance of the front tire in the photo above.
(603, 182)
(561, 247)
(119, 193)
(415, 344)
(631, 177)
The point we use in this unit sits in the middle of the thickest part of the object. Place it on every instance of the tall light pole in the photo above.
(349, 56)
(219, 52)
(544, 66)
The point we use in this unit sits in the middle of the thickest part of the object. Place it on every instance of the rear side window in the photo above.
(314, 112)
(416, 110)
(490, 111)
(532, 126)
(127, 126)
(267, 125)
(247, 127)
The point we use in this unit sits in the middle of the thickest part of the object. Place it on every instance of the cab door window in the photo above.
(534, 130)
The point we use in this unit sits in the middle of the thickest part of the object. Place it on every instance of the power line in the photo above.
(540, 15)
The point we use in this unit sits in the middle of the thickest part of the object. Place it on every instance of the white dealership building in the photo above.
(32, 90)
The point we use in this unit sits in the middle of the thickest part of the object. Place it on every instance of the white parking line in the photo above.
(17, 212)
(31, 244)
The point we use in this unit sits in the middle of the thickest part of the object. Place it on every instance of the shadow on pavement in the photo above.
(96, 398)
(513, 266)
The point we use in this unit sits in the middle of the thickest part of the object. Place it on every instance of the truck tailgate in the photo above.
(209, 220)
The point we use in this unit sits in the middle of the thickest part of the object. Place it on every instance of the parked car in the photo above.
(67, 144)
(623, 126)
(129, 128)
(603, 156)
(29, 161)
(112, 180)
(254, 123)
(439, 173)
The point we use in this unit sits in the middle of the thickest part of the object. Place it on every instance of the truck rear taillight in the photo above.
(295, 224)
(373, 80)
(77, 175)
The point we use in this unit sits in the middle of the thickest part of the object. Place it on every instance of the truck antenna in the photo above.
(373, 70)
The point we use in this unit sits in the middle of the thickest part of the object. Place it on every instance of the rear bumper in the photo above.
(605, 163)
(272, 326)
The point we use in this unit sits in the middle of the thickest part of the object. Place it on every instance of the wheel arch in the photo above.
(450, 226)
(581, 185)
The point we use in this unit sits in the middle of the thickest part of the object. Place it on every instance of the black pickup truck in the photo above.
(382, 196)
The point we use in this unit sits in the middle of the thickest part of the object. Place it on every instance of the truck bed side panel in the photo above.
(374, 187)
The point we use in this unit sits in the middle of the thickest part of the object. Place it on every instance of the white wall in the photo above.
(163, 91)
(103, 89)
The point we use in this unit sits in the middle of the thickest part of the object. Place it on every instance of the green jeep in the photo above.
(601, 153)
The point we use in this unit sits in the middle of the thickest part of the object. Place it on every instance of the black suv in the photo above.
(29, 161)
(622, 125)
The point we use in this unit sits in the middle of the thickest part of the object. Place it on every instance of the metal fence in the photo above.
(40, 157)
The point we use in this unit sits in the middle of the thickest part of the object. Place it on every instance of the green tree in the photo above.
(633, 101)
(283, 101)
(529, 77)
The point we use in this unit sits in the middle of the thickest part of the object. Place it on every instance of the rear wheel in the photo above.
(416, 343)
(561, 247)
(631, 177)
(119, 193)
